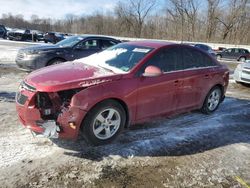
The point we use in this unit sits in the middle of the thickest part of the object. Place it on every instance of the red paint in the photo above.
(145, 97)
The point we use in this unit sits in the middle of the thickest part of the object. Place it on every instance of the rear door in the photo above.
(105, 43)
(197, 77)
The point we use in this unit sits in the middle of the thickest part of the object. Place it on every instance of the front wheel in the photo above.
(218, 57)
(212, 100)
(55, 61)
(104, 122)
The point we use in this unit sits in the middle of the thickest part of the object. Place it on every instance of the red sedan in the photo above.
(126, 84)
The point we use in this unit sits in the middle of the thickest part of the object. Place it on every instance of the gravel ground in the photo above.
(189, 150)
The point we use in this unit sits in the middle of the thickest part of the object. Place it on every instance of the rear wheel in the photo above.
(104, 122)
(242, 59)
(212, 100)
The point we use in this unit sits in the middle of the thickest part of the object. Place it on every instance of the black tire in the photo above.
(55, 61)
(212, 101)
(97, 122)
(242, 59)
(218, 57)
(45, 41)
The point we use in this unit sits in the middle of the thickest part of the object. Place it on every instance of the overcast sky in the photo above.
(55, 8)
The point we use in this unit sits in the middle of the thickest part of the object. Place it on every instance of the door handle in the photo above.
(207, 76)
(176, 82)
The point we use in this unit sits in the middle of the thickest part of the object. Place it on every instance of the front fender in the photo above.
(124, 91)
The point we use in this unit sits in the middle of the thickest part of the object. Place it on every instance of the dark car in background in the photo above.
(53, 37)
(203, 47)
(3, 31)
(239, 54)
(75, 47)
(206, 48)
(38, 35)
(25, 35)
(19, 34)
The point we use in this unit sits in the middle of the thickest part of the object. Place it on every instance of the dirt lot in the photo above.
(189, 150)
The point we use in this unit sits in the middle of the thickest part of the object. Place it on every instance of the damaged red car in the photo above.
(126, 84)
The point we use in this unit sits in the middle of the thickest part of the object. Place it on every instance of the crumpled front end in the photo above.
(49, 113)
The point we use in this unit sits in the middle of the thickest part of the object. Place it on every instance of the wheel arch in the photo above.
(118, 100)
(53, 59)
(241, 57)
(216, 85)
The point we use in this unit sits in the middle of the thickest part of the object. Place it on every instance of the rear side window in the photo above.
(89, 44)
(195, 59)
(107, 44)
(243, 51)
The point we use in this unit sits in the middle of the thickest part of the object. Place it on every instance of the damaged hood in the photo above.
(69, 75)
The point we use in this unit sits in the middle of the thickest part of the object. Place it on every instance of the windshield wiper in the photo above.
(105, 68)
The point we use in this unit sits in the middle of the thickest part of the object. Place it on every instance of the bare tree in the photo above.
(185, 13)
(135, 13)
(212, 15)
(220, 21)
(234, 16)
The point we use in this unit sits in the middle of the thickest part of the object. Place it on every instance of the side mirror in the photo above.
(152, 71)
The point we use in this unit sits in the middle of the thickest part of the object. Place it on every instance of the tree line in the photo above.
(225, 21)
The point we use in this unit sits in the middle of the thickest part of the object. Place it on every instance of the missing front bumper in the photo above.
(51, 129)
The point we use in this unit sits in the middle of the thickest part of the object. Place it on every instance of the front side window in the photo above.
(69, 42)
(166, 59)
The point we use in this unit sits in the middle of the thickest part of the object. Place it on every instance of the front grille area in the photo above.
(246, 71)
(245, 79)
(21, 99)
(20, 55)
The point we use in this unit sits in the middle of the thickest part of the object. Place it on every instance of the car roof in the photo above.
(96, 36)
(237, 48)
(152, 44)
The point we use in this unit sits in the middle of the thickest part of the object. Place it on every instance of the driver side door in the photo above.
(157, 95)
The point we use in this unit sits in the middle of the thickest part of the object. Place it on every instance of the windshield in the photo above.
(119, 58)
(69, 42)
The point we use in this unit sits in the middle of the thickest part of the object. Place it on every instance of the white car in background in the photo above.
(242, 73)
